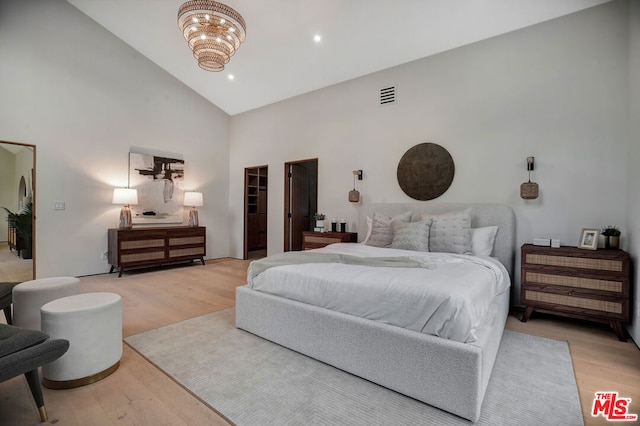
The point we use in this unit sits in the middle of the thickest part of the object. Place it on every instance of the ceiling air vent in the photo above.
(388, 95)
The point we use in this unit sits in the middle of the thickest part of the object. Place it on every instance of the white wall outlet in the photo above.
(104, 255)
(58, 205)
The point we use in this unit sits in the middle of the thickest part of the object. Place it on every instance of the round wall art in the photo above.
(425, 171)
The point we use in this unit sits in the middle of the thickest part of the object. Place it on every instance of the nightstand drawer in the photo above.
(573, 281)
(609, 309)
(313, 240)
(321, 240)
(574, 262)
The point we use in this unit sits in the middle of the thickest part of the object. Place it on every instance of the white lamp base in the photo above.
(125, 218)
(193, 217)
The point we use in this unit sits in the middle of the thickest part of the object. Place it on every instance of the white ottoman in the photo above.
(92, 323)
(29, 296)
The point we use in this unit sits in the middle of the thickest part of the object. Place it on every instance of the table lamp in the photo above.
(193, 200)
(125, 196)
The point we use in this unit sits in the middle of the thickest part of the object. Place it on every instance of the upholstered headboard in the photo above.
(482, 214)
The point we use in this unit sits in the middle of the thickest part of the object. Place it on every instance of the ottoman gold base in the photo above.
(68, 384)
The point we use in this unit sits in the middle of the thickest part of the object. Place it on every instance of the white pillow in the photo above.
(450, 232)
(411, 235)
(482, 240)
(368, 231)
(382, 229)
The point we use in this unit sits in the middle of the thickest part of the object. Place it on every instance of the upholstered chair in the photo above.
(23, 351)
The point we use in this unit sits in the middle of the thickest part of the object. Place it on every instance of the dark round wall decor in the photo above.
(425, 171)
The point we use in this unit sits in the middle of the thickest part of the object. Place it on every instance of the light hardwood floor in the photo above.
(139, 394)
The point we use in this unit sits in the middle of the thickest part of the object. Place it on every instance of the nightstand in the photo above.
(313, 240)
(585, 284)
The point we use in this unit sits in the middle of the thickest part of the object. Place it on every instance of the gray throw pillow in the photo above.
(450, 232)
(382, 229)
(411, 235)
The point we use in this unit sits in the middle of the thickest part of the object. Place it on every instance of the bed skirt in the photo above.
(450, 375)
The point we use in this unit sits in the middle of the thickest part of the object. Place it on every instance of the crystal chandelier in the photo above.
(213, 30)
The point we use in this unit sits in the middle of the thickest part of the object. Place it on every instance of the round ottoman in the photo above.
(92, 323)
(29, 296)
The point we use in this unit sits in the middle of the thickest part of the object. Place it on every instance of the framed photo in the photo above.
(589, 238)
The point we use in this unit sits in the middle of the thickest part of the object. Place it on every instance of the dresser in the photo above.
(585, 284)
(313, 240)
(129, 248)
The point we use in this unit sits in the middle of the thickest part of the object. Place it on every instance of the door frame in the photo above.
(287, 197)
(246, 207)
(33, 200)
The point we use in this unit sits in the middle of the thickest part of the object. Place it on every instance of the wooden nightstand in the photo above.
(313, 240)
(585, 284)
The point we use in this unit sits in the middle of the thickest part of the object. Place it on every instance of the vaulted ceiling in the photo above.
(280, 58)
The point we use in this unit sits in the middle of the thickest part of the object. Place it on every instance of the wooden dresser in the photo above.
(313, 240)
(585, 284)
(130, 248)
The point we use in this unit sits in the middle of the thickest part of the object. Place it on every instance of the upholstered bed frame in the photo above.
(450, 375)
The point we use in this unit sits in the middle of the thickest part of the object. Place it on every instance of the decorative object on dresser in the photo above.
(589, 239)
(125, 197)
(425, 171)
(529, 190)
(313, 240)
(193, 200)
(589, 285)
(153, 246)
(319, 218)
(611, 237)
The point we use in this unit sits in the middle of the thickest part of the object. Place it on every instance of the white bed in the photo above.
(449, 373)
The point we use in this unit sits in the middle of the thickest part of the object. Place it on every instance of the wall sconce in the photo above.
(193, 200)
(354, 196)
(126, 197)
(529, 190)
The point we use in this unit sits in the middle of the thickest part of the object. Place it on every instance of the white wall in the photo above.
(83, 97)
(633, 219)
(556, 91)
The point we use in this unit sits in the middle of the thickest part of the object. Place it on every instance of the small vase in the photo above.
(614, 242)
(320, 223)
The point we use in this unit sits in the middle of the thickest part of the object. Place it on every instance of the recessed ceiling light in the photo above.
(317, 38)
(230, 77)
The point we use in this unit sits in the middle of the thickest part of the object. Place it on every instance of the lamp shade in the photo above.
(193, 199)
(125, 196)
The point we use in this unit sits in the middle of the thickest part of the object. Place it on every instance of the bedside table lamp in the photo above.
(193, 200)
(125, 196)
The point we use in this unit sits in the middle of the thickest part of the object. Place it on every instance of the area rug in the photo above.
(252, 381)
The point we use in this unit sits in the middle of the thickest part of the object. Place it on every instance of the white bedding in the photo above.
(448, 298)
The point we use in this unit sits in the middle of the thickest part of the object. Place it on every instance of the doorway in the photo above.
(17, 193)
(300, 200)
(255, 211)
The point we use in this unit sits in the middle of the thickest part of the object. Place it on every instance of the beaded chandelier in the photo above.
(213, 30)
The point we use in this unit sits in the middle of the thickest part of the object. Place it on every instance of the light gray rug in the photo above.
(252, 381)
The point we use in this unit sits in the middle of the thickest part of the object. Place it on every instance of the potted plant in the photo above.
(22, 222)
(611, 236)
(319, 218)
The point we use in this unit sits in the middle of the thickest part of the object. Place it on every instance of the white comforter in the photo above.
(449, 297)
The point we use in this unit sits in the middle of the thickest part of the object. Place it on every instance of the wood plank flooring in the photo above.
(140, 394)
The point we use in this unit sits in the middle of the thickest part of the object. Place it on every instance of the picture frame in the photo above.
(158, 176)
(589, 238)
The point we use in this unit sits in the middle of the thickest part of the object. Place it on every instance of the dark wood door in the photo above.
(299, 205)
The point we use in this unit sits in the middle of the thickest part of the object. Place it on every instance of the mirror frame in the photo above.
(33, 201)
